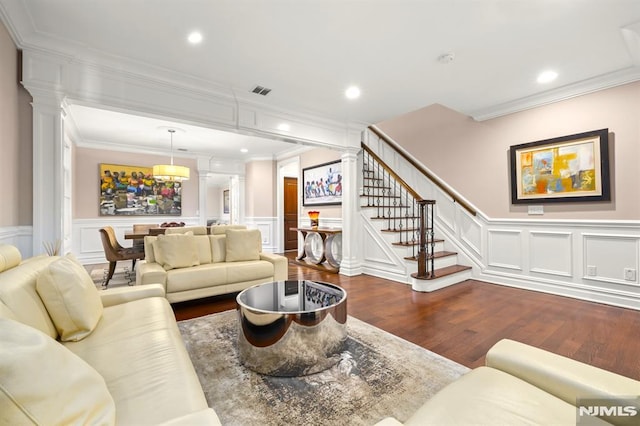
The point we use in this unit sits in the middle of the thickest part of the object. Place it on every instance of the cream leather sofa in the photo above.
(524, 385)
(71, 354)
(203, 265)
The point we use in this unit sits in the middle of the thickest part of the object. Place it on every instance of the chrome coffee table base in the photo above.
(291, 328)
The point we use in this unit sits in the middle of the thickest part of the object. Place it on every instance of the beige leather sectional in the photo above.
(190, 263)
(70, 354)
(524, 385)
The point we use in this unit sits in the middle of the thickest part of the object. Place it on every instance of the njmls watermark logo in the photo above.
(591, 411)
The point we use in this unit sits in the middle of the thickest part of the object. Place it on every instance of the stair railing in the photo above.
(393, 145)
(404, 211)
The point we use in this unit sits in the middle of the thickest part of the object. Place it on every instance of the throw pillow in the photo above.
(243, 244)
(176, 251)
(203, 247)
(71, 298)
(218, 248)
(42, 382)
(149, 255)
(155, 254)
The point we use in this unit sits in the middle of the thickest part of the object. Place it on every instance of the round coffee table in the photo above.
(291, 328)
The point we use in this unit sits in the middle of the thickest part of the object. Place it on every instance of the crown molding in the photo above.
(631, 37)
(17, 20)
(601, 82)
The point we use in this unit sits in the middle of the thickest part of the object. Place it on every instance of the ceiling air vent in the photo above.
(259, 90)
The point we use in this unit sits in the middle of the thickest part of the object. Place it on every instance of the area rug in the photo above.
(122, 276)
(379, 375)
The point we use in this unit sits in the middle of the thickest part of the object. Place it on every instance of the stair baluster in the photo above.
(399, 206)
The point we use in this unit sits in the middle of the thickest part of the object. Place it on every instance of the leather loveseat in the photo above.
(70, 354)
(190, 263)
(524, 385)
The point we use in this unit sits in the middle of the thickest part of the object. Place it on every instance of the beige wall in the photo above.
(86, 179)
(313, 158)
(472, 157)
(16, 139)
(260, 188)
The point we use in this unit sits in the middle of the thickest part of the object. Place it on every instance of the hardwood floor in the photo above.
(463, 321)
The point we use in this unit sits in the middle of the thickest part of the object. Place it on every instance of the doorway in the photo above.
(290, 213)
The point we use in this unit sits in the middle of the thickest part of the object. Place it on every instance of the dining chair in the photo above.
(140, 228)
(114, 252)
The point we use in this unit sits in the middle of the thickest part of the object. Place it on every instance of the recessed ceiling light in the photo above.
(284, 127)
(195, 37)
(352, 92)
(244, 150)
(547, 76)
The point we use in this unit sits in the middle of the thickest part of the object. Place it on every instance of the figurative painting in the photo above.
(564, 169)
(133, 191)
(322, 184)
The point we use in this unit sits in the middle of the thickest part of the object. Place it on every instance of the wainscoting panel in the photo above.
(19, 236)
(378, 256)
(551, 253)
(267, 227)
(471, 233)
(607, 256)
(445, 210)
(505, 249)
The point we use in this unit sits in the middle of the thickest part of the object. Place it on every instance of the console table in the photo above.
(322, 248)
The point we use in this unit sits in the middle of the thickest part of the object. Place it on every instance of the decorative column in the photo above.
(237, 199)
(203, 177)
(48, 171)
(351, 230)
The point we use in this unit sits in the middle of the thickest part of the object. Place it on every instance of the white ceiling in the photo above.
(309, 51)
(119, 131)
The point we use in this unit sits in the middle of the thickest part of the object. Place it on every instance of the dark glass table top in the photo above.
(291, 296)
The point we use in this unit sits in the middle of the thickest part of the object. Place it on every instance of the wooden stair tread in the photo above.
(412, 243)
(379, 196)
(446, 271)
(376, 186)
(401, 230)
(394, 217)
(385, 206)
(436, 255)
(405, 244)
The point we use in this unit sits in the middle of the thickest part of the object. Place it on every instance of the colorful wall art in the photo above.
(322, 184)
(564, 169)
(132, 190)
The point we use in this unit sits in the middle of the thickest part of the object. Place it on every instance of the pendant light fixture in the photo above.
(169, 172)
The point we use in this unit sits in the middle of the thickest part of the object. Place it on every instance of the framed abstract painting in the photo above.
(573, 168)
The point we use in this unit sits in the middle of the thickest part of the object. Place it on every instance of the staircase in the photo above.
(406, 221)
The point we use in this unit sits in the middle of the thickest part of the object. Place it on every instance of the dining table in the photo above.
(131, 235)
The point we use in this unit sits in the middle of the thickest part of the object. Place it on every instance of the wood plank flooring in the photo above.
(463, 321)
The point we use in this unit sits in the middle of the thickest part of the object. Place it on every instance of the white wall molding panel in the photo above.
(379, 258)
(268, 229)
(19, 236)
(504, 250)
